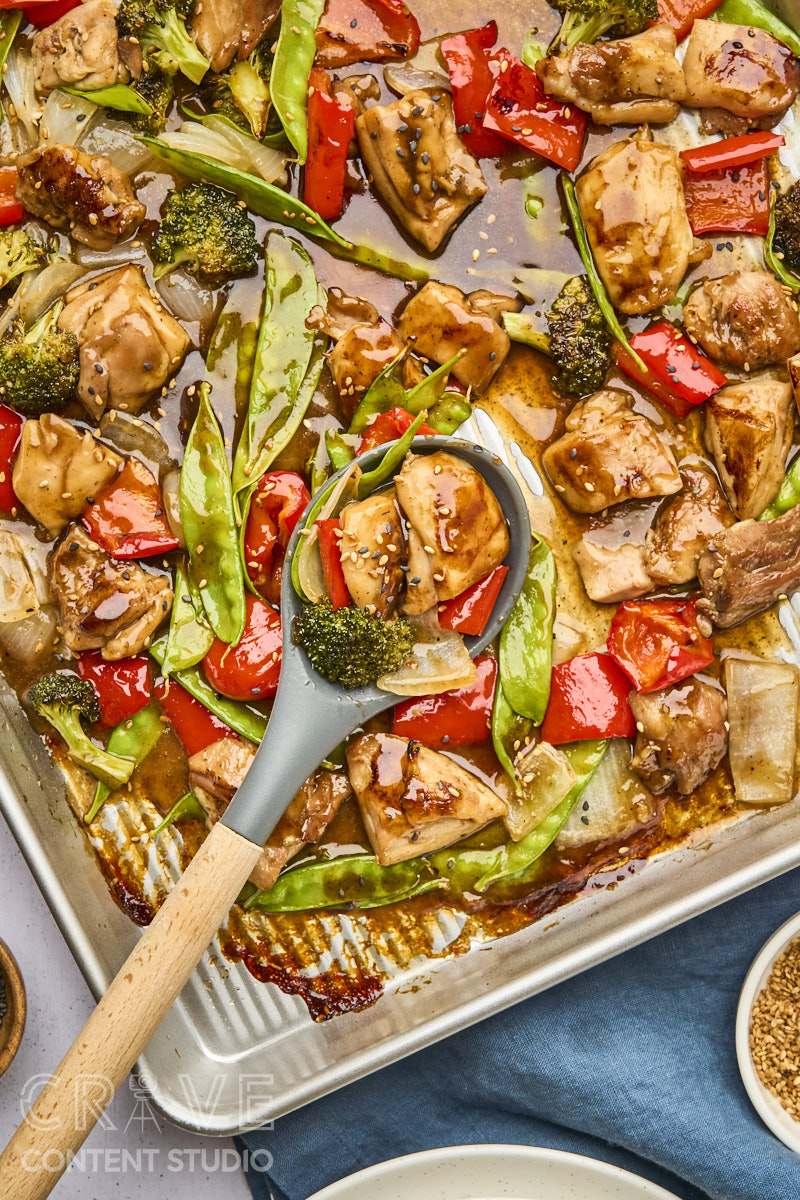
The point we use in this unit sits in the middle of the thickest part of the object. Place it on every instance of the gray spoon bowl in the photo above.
(311, 715)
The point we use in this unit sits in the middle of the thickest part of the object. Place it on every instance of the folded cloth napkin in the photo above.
(633, 1062)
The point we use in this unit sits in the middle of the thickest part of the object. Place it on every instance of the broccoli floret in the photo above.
(787, 228)
(156, 87)
(587, 20)
(66, 701)
(163, 37)
(242, 93)
(204, 230)
(39, 369)
(578, 340)
(18, 253)
(350, 646)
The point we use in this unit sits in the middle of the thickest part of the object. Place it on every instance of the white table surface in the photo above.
(140, 1155)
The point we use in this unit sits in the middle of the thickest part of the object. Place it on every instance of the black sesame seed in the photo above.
(735, 176)
(737, 45)
(776, 187)
(720, 245)
(90, 499)
(99, 368)
(416, 189)
(434, 186)
(585, 820)
(126, 574)
(354, 22)
(416, 110)
(362, 881)
(445, 739)
(164, 606)
(516, 129)
(91, 287)
(585, 806)
(492, 356)
(627, 533)
(81, 117)
(467, 129)
(159, 512)
(478, 116)
(426, 158)
(90, 390)
(400, 152)
(573, 453)
(412, 145)
(255, 691)
(729, 245)
(751, 33)
(74, 546)
(376, 554)
(374, 133)
(147, 366)
(695, 366)
(436, 99)
(415, 581)
(672, 370)
(402, 129)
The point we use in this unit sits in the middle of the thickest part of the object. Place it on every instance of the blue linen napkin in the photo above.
(632, 1062)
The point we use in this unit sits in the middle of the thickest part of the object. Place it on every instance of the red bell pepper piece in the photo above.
(276, 507)
(469, 612)
(10, 433)
(195, 726)
(520, 110)
(366, 31)
(732, 152)
(330, 131)
(250, 669)
(734, 201)
(45, 13)
(682, 14)
(657, 642)
(588, 699)
(127, 518)
(11, 211)
(679, 375)
(462, 717)
(473, 70)
(329, 533)
(388, 427)
(123, 688)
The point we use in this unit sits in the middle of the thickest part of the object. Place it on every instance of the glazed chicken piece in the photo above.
(439, 321)
(418, 163)
(364, 344)
(217, 771)
(87, 195)
(747, 319)
(414, 800)
(632, 202)
(684, 528)
(740, 69)
(59, 470)
(456, 516)
(79, 50)
(748, 567)
(229, 29)
(608, 454)
(355, 91)
(682, 734)
(627, 82)
(749, 431)
(611, 574)
(113, 607)
(130, 346)
(373, 549)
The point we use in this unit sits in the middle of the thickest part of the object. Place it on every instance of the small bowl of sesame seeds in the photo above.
(12, 1007)
(768, 1033)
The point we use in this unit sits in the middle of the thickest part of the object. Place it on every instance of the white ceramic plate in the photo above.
(493, 1173)
(771, 1112)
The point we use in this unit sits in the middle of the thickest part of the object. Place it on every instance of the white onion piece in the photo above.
(114, 140)
(25, 640)
(133, 435)
(309, 563)
(170, 493)
(19, 84)
(218, 139)
(18, 591)
(614, 802)
(424, 70)
(545, 777)
(66, 118)
(439, 662)
(118, 255)
(45, 289)
(762, 719)
(185, 297)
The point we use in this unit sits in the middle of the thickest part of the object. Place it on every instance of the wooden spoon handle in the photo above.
(127, 1016)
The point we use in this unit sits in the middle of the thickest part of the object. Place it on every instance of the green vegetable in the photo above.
(133, 740)
(595, 282)
(532, 48)
(10, 22)
(39, 370)
(232, 352)
(209, 524)
(275, 205)
(788, 496)
(782, 243)
(384, 393)
(187, 807)
(204, 230)
(118, 96)
(249, 85)
(587, 20)
(391, 460)
(449, 413)
(18, 253)
(507, 728)
(446, 410)
(66, 701)
(340, 452)
(351, 646)
(526, 643)
(244, 720)
(356, 881)
(163, 37)
(294, 57)
(190, 636)
(156, 89)
(751, 12)
(578, 341)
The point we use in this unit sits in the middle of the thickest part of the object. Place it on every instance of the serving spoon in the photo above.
(309, 718)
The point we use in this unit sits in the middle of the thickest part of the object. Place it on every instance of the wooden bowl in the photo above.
(13, 1023)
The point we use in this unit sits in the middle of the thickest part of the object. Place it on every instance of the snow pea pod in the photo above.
(507, 728)
(390, 463)
(357, 881)
(118, 96)
(190, 636)
(788, 496)
(430, 390)
(244, 720)
(187, 806)
(449, 413)
(751, 12)
(232, 351)
(526, 643)
(339, 452)
(291, 67)
(209, 524)
(133, 739)
(9, 24)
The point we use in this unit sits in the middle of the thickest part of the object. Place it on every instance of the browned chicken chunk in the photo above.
(414, 800)
(632, 201)
(682, 735)
(739, 68)
(749, 567)
(130, 346)
(229, 29)
(684, 527)
(87, 195)
(749, 431)
(59, 469)
(608, 454)
(217, 771)
(113, 607)
(439, 321)
(79, 50)
(365, 344)
(746, 319)
(457, 517)
(373, 549)
(419, 165)
(627, 82)
(611, 574)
